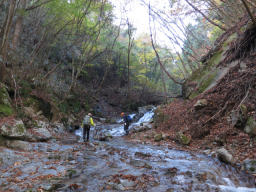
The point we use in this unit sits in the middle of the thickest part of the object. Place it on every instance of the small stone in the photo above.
(158, 137)
(200, 104)
(137, 163)
(183, 139)
(127, 183)
(250, 127)
(224, 156)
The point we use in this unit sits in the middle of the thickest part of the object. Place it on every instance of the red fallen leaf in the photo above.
(74, 186)
(17, 163)
(129, 177)
(43, 177)
(53, 168)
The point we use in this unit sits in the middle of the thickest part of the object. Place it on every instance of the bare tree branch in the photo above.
(249, 11)
(211, 21)
(157, 55)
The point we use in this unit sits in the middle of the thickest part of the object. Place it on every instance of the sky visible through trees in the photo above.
(138, 14)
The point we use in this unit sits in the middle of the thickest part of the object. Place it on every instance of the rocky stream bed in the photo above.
(116, 164)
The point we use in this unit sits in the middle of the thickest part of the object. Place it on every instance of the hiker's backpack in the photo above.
(129, 118)
(86, 120)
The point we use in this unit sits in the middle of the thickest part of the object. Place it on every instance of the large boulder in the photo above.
(19, 145)
(5, 105)
(250, 127)
(13, 128)
(39, 132)
(143, 127)
(58, 127)
(103, 136)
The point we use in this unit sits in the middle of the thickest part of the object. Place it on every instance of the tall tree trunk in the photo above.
(130, 44)
(5, 36)
(18, 26)
(157, 55)
(164, 85)
(7, 29)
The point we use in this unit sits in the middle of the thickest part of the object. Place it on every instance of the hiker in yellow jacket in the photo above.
(86, 124)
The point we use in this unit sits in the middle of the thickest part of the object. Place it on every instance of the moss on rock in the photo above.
(5, 105)
(250, 127)
(183, 139)
(5, 110)
(21, 129)
(208, 74)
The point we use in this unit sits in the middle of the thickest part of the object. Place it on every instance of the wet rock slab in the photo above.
(117, 165)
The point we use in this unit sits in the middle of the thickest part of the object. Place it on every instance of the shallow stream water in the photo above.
(157, 168)
(115, 165)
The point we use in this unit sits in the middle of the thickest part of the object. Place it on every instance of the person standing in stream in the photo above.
(86, 124)
(127, 121)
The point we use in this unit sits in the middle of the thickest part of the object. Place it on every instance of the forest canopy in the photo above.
(77, 44)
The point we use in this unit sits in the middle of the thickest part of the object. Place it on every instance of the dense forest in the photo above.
(193, 68)
(74, 47)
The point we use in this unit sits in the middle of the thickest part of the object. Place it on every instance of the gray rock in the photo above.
(119, 187)
(103, 136)
(29, 168)
(250, 165)
(46, 186)
(142, 128)
(13, 129)
(58, 127)
(9, 157)
(19, 145)
(224, 156)
(40, 132)
(127, 183)
(137, 163)
(250, 127)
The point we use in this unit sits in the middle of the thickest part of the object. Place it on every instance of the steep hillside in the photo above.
(221, 107)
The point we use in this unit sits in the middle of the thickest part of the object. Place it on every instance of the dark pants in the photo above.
(86, 131)
(126, 127)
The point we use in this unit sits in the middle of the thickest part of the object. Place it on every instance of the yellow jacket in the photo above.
(91, 121)
(84, 122)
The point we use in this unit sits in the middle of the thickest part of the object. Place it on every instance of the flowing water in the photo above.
(116, 165)
(119, 165)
